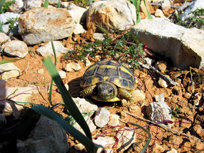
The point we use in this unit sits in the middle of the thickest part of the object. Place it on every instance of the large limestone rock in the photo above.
(185, 47)
(111, 13)
(45, 24)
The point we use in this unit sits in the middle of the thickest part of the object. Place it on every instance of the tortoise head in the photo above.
(106, 91)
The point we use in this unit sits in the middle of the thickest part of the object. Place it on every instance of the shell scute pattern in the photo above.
(110, 71)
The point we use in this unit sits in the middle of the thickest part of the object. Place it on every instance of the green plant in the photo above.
(59, 4)
(196, 20)
(1, 27)
(136, 3)
(51, 83)
(149, 136)
(12, 22)
(7, 61)
(46, 3)
(83, 3)
(4, 6)
(124, 48)
(176, 111)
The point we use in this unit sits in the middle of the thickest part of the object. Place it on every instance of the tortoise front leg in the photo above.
(87, 91)
(124, 93)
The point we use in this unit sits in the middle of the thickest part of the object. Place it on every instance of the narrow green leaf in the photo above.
(148, 14)
(7, 61)
(59, 4)
(149, 137)
(71, 106)
(46, 3)
(91, 147)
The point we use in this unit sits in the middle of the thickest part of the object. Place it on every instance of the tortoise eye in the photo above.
(111, 90)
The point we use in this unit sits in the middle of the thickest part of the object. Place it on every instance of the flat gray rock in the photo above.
(185, 47)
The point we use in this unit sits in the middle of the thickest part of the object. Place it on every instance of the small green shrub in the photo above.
(4, 6)
(125, 48)
(196, 20)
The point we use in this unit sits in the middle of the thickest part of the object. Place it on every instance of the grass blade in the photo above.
(149, 137)
(148, 14)
(70, 104)
(59, 4)
(91, 147)
(51, 83)
(1, 5)
(46, 3)
(7, 61)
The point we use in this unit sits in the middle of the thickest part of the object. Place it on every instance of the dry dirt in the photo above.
(188, 95)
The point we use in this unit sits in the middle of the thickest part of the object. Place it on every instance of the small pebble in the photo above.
(114, 120)
(138, 95)
(62, 74)
(162, 83)
(72, 67)
(102, 117)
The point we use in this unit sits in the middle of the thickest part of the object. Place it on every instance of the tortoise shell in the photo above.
(111, 71)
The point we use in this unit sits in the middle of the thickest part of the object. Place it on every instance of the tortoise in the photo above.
(108, 81)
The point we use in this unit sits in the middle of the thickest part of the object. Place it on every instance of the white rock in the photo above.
(3, 38)
(111, 13)
(65, 4)
(10, 74)
(114, 120)
(148, 60)
(159, 112)
(138, 95)
(29, 4)
(47, 137)
(196, 5)
(162, 83)
(125, 136)
(16, 48)
(17, 6)
(172, 151)
(166, 5)
(78, 29)
(41, 71)
(159, 98)
(89, 122)
(87, 62)
(85, 106)
(79, 146)
(4, 17)
(185, 47)
(9, 70)
(47, 49)
(102, 117)
(106, 142)
(76, 12)
(159, 13)
(45, 24)
(98, 36)
(67, 86)
(72, 67)
(62, 74)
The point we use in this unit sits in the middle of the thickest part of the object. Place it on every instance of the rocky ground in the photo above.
(184, 124)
